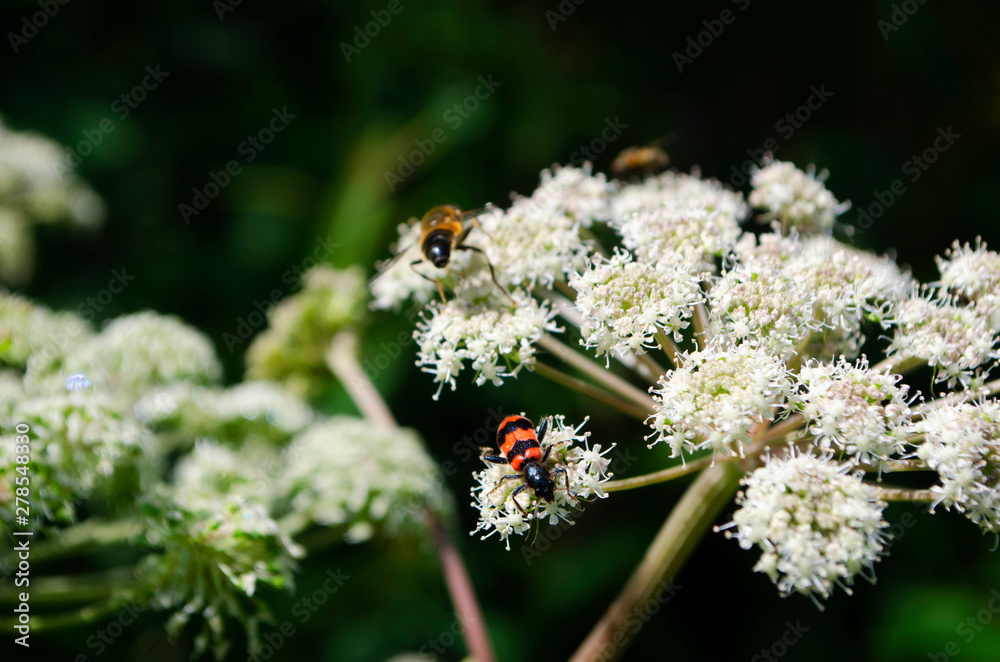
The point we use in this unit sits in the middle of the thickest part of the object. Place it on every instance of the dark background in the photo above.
(324, 177)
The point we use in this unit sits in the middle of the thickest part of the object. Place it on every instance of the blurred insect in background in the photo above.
(639, 161)
(443, 230)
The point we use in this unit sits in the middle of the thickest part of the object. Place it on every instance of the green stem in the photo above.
(899, 363)
(668, 346)
(702, 334)
(590, 390)
(677, 538)
(87, 536)
(75, 588)
(89, 614)
(601, 375)
(894, 466)
(887, 493)
(656, 477)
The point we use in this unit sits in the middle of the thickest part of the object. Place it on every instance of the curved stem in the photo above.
(656, 477)
(601, 375)
(590, 390)
(463, 596)
(341, 358)
(652, 580)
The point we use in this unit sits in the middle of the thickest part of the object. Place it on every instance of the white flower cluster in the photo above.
(32, 333)
(713, 399)
(854, 410)
(293, 347)
(497, 340)
(973, 276)
(961, 442)
(676, 217)
(757, 303)
(579, 468)
(135, 353)
(343, 472)
(37, 186)
(83, 449)
(624, 304)
(957, 341)
(213, 557)
(795, 198)
(261, 410)
(817, 524)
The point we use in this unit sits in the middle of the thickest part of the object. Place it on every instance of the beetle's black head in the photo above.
(540, 480)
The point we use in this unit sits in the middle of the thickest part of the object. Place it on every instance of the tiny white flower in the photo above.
(817, 524)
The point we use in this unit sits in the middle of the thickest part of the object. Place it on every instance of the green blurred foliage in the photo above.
(323, 179)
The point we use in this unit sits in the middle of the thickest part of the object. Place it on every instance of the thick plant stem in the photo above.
(604, 376)
(657, 476)
(691, 518)
(462, 594)
(888, 493)
(341, 358)
(588, 389)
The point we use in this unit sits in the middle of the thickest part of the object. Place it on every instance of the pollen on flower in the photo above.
(713, 399)
(585, 467)
(962, 444)
(795, 198)
(817, 524)
(855, 410)
(624, 304)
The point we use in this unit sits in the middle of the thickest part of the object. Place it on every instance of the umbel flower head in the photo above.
(579, 468)
(795, 199)
(855, 411)
(817, 524)
(214, 555)
(347, 473)
(83, 451)
(135, 353)
(300, 328)
(37, 186)
(716, 396)
(962, 444)
(251, 410)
